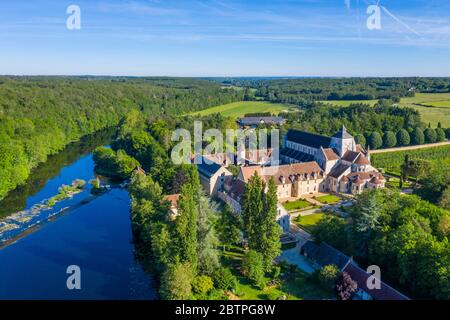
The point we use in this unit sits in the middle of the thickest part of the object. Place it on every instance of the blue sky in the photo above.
(225, 38)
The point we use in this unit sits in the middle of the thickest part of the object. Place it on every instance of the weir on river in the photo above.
(92, 232)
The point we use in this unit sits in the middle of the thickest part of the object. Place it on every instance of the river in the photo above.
(93, 233)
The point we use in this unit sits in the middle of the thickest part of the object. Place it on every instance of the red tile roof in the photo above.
(362, 160)
(303, 171)
(173, 199)
(330, 154)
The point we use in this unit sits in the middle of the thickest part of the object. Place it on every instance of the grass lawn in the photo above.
(297, 285)
(296, 205)
(306, 222)
(239, 109)
(328, 199)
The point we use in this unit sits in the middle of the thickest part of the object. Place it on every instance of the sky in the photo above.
(229, 38)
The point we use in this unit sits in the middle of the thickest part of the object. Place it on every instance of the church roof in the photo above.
(338, 170)
(308, 139)
(330, 154)
(362, 160)
(343, 134)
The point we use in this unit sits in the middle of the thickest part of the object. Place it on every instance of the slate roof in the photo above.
(308, 139)
(297, 155)
(350, 156)
(249, 121)
(324, 254)
(361, 276)
(208, 169)
(343, 134)
(338, 170)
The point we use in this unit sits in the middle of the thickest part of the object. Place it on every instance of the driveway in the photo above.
(293, 256)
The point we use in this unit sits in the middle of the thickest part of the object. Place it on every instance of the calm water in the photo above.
(96, 236)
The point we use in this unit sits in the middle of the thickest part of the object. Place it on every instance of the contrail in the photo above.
(400, 21)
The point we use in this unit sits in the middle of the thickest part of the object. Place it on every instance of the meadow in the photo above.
(239, 109)
(433, 107)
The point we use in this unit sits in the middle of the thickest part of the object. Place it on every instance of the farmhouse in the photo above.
(256, 121)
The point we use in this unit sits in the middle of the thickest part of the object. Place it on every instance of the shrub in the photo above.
(346, 286)
(224, 279)
(389, 139)
(375, 140)
(328, 275)
(430, 135)
(403, 138)
(202, 284)
(417, 136)
(440, 135)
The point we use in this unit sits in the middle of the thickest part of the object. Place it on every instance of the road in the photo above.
(422, 146)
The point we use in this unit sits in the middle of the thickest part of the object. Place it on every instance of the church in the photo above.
(346, 165)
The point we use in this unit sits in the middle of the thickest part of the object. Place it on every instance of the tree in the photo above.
(375, 140)
(403, 138)
(430, 135)
(253, 268)
(229, 227)
(186, 228)
(346, 286)
(270, 231)
(365, 217)
(332, 230)
(417, 136)
(444, 200)
(208, 258)
(360, 139)
(176, 282)
(389, 139)
(252, 207)
(440, 135)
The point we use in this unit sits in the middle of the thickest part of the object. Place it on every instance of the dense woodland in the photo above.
(300, 90)
(39, 116)
(405, 236)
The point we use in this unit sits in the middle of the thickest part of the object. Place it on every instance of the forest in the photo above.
(300, 90)
(39, 116)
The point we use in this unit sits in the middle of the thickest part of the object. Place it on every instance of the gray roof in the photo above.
(297, 155)
(324, 254)
(208, 169)
(343, 134)
(337, 171)
(248, 121)
(308, 139)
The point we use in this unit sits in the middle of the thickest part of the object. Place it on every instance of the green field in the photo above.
(433, 107)
(346, 103)
(239, 109)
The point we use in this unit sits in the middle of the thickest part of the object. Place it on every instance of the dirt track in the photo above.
(422, 146)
